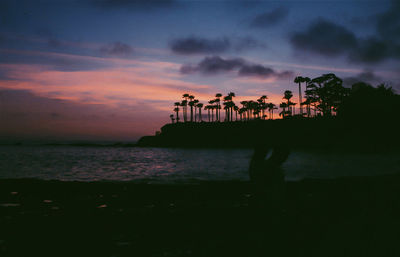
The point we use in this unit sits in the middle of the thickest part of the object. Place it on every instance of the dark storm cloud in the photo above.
(329, 39)
(325, 38)
(216, 64)
(362, 21)
(134, 4)
(388, 25)
(212, 65)
(270, 18)
(370, 50)
(197, 45)
(117, 49)
(261, 71)
(386, 43)
(388, 28)
(365, 76)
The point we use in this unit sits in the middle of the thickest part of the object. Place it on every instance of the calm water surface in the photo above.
(174, 165)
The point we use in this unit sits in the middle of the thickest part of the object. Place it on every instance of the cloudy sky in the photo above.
(112, 69)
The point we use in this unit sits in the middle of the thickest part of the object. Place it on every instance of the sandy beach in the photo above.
(342, 217)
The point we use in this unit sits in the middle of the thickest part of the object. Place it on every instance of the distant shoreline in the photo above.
(77, 144)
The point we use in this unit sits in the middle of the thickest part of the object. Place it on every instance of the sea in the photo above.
(178, 165)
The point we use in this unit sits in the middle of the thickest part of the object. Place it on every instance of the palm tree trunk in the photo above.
(300, 100)
(200, 118)
(288, 106)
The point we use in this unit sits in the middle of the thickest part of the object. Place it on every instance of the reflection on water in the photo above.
(176, 165)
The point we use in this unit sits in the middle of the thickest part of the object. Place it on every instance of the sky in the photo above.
(112, 69)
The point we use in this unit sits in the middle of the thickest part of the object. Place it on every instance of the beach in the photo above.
(357, 216)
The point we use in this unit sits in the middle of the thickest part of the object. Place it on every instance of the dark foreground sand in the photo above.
(343, 217)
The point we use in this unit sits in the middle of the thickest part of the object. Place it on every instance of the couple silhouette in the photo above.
(267, 175)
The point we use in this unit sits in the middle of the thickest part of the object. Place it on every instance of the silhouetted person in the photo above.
(269, 182)
(267, 175)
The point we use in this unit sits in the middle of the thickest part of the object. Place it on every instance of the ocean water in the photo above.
(174, 165)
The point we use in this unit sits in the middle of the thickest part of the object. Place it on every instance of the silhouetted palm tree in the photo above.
(218, 101)
(292, 111)
(195, 109)
(283, 113)
(306, 80)
(200, 106)
(270, 107)
(272, 111)
(184, 104)
(177, 104)
(212, 107)
(208, 108)
(236, 109)
(232, 104)
(307, 103)
(176, 110)
(244, 109)
(226, 107)
(299, 80)
(287, 95)
(262, 105)
(172, 118)
(191, 104)
(252, 108)
(229, 106)
(242, 113)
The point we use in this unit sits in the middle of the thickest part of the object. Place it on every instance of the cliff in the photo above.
(296, 132)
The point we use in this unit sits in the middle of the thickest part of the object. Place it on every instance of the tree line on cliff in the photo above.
(324, 96)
